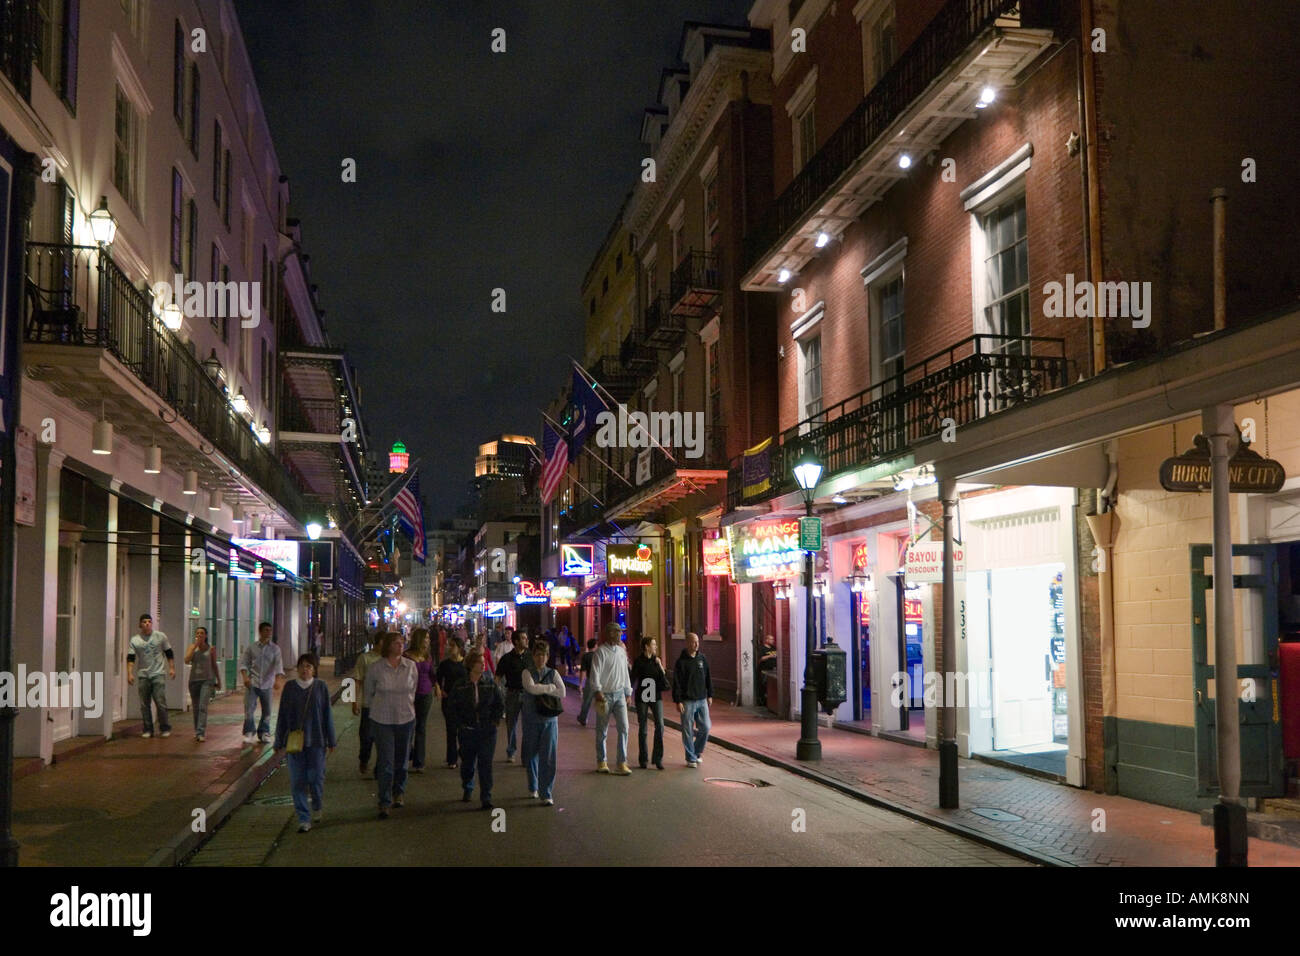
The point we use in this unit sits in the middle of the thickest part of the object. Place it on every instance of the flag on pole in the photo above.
(410, 515)
(587, 406)
(556, 462)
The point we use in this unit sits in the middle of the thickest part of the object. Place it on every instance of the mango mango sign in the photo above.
(925, 562)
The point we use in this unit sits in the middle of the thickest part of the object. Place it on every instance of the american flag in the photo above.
(556, 462)
(410, 514)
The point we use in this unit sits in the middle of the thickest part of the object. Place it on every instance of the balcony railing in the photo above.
(662, 328)
(614, 378)
(77, 296)
(696, 284)
(975, 378)
(955, 27)
(636, 355)
(18, 43)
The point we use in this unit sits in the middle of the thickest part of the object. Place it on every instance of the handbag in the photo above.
(548, 706)
(294, 743)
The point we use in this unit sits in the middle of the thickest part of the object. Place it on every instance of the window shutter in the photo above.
(71, 23)
(178, 76)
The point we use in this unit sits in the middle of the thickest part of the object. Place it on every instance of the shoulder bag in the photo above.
(546, 704)
(294, 743)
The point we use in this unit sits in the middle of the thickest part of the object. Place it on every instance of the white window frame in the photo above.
(801, 101)
(805, 328)
(127, 78)
(999, 185)
(869, 14)
(708, 336)
(879, 272)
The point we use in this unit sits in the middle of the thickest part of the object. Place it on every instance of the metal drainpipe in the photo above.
(1094, 186)
(1102, 527)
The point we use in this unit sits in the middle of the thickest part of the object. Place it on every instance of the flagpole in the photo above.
(542, 462)
(405, 478)
(592, 454)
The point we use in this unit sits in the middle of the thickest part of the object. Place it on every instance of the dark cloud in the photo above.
(474, 171)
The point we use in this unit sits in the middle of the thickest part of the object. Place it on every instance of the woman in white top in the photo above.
(542, 685)
(390, 691)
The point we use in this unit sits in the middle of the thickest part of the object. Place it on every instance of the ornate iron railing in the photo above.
(975, 378)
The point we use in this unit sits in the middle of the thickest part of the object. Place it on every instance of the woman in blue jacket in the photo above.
(305, 706)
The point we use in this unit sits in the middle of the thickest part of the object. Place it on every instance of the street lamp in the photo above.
(102, 224)
(313, 530)
(807, 472)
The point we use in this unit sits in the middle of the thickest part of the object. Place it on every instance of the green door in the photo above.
(1261, 729)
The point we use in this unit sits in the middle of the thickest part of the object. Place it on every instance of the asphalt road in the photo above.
(678, 816)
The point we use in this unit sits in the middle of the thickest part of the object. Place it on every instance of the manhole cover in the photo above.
(273, 801)
(727, 782)
(1002, 816)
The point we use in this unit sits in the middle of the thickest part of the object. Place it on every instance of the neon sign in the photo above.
(717, 556)
(530, 592)
(576, 560)
(765, 551)
(629, 565)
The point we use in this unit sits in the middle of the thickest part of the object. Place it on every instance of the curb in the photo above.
(181, 846)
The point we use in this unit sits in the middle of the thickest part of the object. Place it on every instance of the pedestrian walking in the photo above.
(365, 661)
(568, 647)
(693, 693)
(450, 672)
(479, 708)
(304, 728)
(147, 656)
(390, 688)
(649, 681)
(544, 688)
(613, 695)
(584, 675)
(510, 673)
(419, 655)
(204, 679)
(262, 667)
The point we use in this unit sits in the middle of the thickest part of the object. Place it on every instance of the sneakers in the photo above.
(692, 763)
(548, 802)
(304, 827)
(200, 738)
(533, 794)
(602, 767)
(698, 761)
(249, 739)
(261, 738)
(147, 734)
(624, 770)
(317, 815)
(510, 758)
(165, 733)
(398, 802)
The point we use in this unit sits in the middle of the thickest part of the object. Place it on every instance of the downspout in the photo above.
(1102, 528)
(1091, 177)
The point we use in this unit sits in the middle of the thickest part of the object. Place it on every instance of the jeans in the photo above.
(307, 778)
(392, 744)
(423, 704)
(645, 710)
(588, 693)
(200, 694)
(514, 703)
(616, 708)
(153, 689)
(367, 737)
(541, 741)
(449, 717)
(477, 746)
(695, 727)
(251, 696)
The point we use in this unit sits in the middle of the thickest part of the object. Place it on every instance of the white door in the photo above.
(1021, 640)
(66, 644)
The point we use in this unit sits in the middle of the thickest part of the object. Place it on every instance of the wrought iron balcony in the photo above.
(696, 284)
(952, 37)
(614, 378)
(636, 355)
(18, 43)
(977, 377)
(663, 329)
(76, 296)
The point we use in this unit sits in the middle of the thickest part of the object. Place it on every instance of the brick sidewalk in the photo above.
(122, 801)
(1057, 819)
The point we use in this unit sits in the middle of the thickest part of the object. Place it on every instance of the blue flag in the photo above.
(586, 407)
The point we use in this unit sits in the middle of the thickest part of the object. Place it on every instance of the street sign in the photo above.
(1248, 472)
(924, 562)
(810, 534)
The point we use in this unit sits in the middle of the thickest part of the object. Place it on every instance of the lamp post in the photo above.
(807, 472)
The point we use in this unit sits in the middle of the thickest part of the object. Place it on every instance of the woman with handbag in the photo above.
(545, 689)
(204, 679)
(390, 689)
(305, 730)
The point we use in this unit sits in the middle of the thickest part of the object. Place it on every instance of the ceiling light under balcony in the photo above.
(102, 224)
(255, 524)
(987, 96)
(237, 513)
(822, 239)
(214, 501)
(172, 316)
(240, 403)
(783, 276)
(191, 483)
(840, 500)
(153, 461)
(313, 530)
(102, 438)
(904, 161)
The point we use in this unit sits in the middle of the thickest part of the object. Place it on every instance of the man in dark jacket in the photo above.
(648, 684)
(477, 704)
(510, 675)
(693, 693)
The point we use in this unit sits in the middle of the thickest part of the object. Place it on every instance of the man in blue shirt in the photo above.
(262, 668)
(149, 654)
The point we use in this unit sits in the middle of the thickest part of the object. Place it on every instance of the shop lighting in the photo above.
(214, 501)
(102, 224)
(264, 435)
(240, 402)
(903, 483)
(987, 96)
(840, 500)
(102, 434)
(904, 161)
(783, 276)
(172, 316)
(153, 461)
(822, 239)
(313, 530)
(255, 524)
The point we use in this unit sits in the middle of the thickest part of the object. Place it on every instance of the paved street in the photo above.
(709, 816)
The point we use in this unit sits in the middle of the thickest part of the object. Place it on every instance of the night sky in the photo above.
(475, 171)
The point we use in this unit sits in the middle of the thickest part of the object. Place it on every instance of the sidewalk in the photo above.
(1054, 822)
(130, 801)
